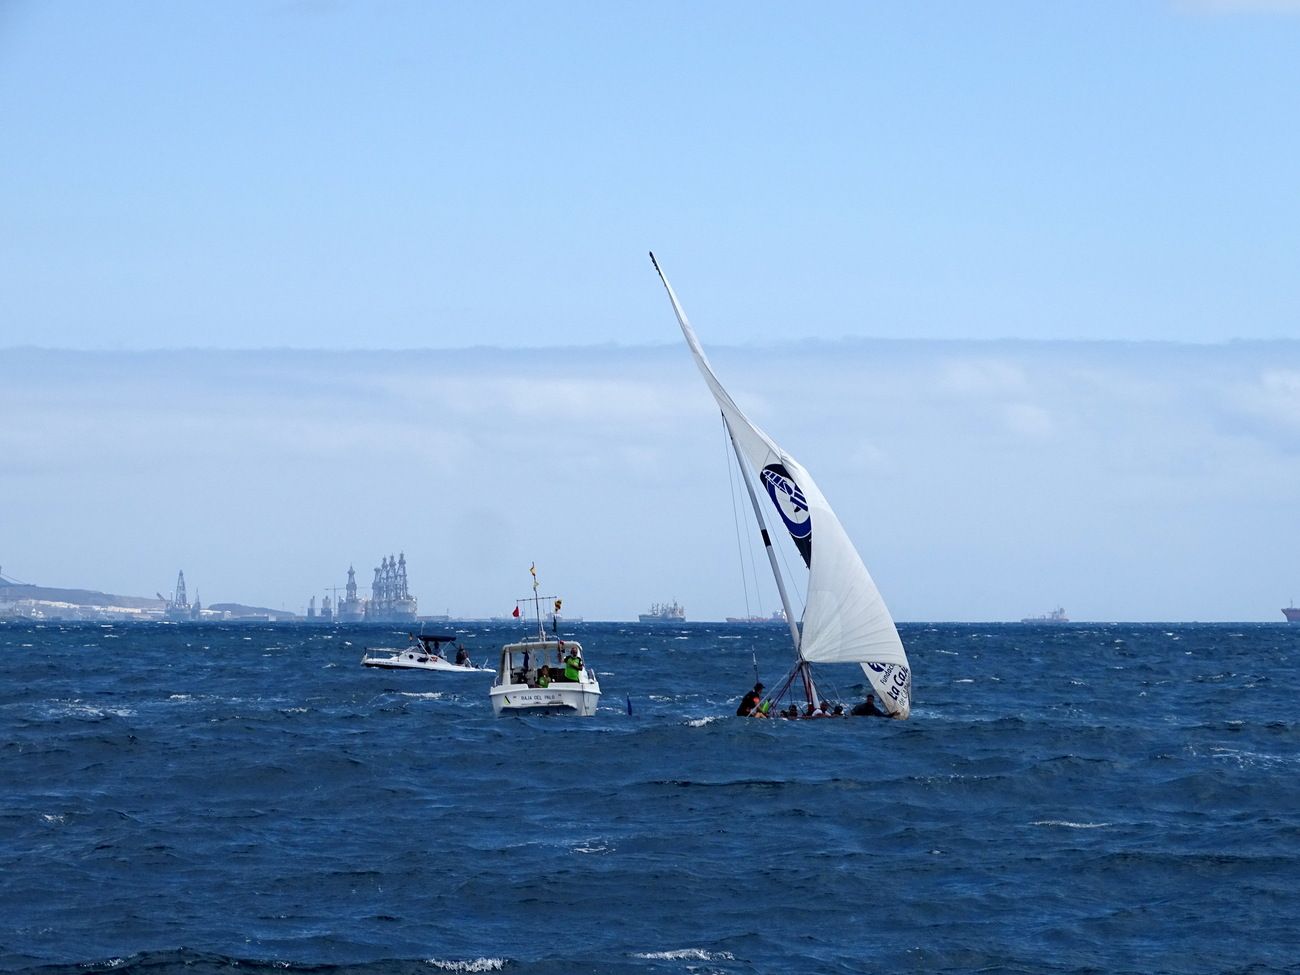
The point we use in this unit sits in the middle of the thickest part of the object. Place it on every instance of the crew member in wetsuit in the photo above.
(868, 709)
(749, 702)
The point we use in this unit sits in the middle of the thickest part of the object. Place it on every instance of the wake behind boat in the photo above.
(424, 653)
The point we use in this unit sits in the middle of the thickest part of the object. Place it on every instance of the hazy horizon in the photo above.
(980, 480)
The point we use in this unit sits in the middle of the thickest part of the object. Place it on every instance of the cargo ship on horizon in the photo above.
(1292, 613)
(664, 613)
(776, 618)
(1055, 616)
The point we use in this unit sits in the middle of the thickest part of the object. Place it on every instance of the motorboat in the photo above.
(532, 675)
(424, 653)
(531, 678)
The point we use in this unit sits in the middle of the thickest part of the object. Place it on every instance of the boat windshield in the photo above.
(523, 663)
(435, 641)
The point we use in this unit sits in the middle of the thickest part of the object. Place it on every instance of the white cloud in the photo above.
(1125, 481)
(1275, 397)
(981, 378)
(1028, 420)
(1265, 405)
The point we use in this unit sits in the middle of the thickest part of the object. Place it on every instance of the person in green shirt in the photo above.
(544, 678)
(572, 665)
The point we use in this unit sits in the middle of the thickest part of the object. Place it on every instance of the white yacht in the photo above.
(424, 653)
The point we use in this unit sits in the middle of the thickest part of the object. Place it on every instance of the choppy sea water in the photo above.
(1086, 798)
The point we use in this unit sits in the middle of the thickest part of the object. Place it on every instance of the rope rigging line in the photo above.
(735, 514)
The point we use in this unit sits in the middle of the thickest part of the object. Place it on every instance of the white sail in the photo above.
(845, 619)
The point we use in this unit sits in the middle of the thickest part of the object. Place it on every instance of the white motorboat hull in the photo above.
(414, 660)
(580, 699)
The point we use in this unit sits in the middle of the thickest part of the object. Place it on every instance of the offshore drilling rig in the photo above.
(390, 597)
(179, 607)
(350, 609)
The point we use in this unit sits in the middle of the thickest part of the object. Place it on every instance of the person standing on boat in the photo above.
(462, 656)
(572, 666)
(544, 678)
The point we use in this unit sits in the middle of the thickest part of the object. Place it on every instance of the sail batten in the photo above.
(845, 619)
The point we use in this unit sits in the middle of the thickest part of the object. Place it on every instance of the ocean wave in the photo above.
(701, 722)
(1245, 759)
(205, 963)
(685, 954)
(78, 709)
(470, 965)
(1067, 824)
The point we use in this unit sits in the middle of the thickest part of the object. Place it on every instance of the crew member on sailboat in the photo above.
(749, 704)
(868, 709)
(845, 620)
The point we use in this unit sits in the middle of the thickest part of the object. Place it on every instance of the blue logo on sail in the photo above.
(792, 506)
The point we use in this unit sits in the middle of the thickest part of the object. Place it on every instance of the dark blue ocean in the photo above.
(1087, 798)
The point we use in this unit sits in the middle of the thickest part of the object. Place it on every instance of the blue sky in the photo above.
(1016, 281)
(392, 175)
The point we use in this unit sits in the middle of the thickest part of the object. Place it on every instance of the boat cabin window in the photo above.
(522, 666)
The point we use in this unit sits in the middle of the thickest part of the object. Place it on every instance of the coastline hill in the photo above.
(12, 592)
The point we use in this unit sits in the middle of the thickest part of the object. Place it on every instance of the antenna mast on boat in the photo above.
(537, 603)
(536, 600)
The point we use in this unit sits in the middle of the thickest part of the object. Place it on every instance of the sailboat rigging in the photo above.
(845, 619)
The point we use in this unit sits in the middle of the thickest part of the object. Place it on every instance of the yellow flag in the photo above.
(557, 604)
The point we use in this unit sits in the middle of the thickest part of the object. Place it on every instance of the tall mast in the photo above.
(805, 672)
(767, 545)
